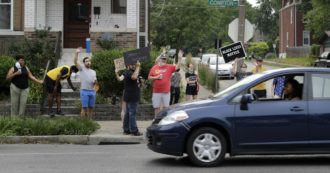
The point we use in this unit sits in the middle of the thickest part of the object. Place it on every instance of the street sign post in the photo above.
(224, 3)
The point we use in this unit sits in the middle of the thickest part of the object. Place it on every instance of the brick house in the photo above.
(294, 37)
(124, 21)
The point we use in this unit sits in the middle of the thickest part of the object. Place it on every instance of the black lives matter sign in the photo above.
(142, 54)
(233, 51)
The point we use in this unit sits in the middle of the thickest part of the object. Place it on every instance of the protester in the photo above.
(278, 87)
(123, 103)
(192, 83)
(239, 69)
(132, 98)
(19, 76)
(160, 75)
(175, 87)
(88, 82)
(54, 87)
(260, 89)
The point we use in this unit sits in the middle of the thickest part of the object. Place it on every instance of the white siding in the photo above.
(106, 21)
(40, 14)
(131, 14)
(55, 15)
(29, 14)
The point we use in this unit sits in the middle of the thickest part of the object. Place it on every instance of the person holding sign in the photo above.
(160, 75)
(88, 87)
(131, 98)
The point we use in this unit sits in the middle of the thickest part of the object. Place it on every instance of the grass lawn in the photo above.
(305, 61)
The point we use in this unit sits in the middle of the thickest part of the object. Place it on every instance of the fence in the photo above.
(7, 41)
(298, 51)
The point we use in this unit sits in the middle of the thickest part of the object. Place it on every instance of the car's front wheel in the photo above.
(206, 147)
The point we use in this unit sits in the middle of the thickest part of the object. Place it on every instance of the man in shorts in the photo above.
(160, 75)
(88, 82)
(53, 85)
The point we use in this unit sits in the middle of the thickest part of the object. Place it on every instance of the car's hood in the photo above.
(191, 104)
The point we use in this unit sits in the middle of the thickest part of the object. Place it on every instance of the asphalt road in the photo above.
(138, 159)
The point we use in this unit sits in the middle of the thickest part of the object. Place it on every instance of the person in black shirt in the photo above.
(19, 76)
(132, 98)
(192, 85)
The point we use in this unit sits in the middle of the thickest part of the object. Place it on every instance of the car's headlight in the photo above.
(174, 117)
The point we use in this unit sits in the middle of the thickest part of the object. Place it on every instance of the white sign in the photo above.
(233, 30)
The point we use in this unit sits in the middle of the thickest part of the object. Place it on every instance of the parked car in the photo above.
(323, 60)
(235, 121)
(206, 57)
(224, 69)
(171, 53)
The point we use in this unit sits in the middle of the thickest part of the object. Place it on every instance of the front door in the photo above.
(76, 22)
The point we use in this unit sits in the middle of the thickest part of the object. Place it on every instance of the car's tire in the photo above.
(206, 147)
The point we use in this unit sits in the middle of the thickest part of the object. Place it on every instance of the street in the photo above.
(138, 159)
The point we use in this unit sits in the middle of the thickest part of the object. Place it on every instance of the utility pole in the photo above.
(241, 21)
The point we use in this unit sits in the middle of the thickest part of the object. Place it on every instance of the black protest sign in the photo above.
(142, 54)
(233, 51)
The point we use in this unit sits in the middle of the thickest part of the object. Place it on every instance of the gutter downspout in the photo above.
(138, 24)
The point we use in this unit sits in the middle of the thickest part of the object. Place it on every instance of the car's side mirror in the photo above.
(247, 98)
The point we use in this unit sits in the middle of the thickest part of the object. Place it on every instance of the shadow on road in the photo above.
(252, 161)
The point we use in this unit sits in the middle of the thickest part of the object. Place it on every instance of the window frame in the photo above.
(311, 95)
(112, 8)
(11, 3)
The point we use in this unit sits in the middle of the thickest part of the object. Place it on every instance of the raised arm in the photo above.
(136, 72)
(178, 64)
(11, 74)
(76, 63)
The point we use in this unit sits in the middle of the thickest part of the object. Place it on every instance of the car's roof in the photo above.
(299, 70)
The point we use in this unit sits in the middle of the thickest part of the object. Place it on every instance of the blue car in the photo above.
(293, 117)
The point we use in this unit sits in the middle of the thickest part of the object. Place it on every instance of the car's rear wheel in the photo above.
(206, 147)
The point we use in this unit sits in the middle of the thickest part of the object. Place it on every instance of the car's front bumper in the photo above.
(168, 139)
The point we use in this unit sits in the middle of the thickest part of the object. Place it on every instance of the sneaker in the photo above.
(137, 134)
(59, 112)
(51, 114)
(126, 133)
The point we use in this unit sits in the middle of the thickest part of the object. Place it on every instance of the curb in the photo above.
(73, 139)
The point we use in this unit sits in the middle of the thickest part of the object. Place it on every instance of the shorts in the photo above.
(191, 90)
(161, 99)
(88, 98)
(50, 84)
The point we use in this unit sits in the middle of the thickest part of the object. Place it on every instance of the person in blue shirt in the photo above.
(278, 87)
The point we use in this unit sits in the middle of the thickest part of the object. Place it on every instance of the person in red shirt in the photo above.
(160, 75)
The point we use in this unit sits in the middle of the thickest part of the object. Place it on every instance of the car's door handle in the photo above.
(296, 109)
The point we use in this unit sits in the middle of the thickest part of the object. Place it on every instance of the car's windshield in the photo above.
(213, 60)
(236, 86)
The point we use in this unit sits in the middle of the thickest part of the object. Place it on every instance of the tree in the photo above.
(319, 17)
(267, 17)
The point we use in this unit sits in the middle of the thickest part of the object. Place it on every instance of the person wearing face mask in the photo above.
(19, 76)
(160, 75)
(192, 85)
(88, 84)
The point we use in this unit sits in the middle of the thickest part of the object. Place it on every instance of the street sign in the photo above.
(224, 3)
(233, 51)
(233, 30)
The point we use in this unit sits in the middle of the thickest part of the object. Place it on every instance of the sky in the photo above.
(253, 2)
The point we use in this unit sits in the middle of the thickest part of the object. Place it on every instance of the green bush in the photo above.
(258, 48)
(6, 63)
(44, 126)
(315, 50)
(207, 77)
(106, 44)
(35, 93)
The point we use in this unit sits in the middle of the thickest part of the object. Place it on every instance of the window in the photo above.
(319, 85)
(118, 6)
(306, 39)
(5, 14)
